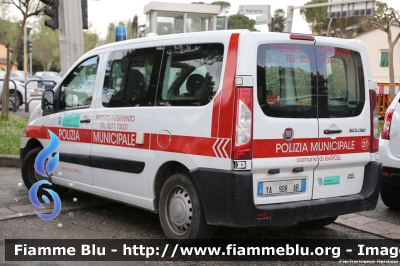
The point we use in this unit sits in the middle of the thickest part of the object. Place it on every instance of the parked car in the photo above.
(47, 75)
(20, 93)
(389, 154)
(19, 76)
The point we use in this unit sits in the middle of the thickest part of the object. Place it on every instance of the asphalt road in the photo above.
(118, 221)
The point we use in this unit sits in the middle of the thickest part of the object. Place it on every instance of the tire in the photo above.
(315, 224)
(30, 177)
(390, 195)
(179, 193)
(11, 99)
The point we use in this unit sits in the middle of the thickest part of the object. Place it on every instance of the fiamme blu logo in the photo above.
(45, 163)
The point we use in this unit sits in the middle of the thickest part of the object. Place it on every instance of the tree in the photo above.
(8, 31)
(90, 38)
(241, 22)
(28, 8)
(45, 46)
(318, 21)
(278, 21)
(110, 33)
(223, 4)
(386, 17)
(135, 26)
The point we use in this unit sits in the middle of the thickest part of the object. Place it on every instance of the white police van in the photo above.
(222, 128)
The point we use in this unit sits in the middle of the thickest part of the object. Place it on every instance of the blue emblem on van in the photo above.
(45, 167)
(42, 159)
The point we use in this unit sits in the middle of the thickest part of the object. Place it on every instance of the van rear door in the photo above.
(285, 129)
(344, 119)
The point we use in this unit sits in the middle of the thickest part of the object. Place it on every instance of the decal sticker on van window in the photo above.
(329, 180)
(71, 120)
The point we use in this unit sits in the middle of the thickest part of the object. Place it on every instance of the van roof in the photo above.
(167, 37)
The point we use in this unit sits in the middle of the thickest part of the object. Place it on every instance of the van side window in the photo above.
(131, 78)
(285, 80)
(77, 88)
(116, 81)
(191, 74)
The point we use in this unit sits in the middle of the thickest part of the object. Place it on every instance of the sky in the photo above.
(104, 12)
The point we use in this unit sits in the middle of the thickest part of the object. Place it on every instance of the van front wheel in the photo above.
(181, 212)
(30, 176)
(314, 224)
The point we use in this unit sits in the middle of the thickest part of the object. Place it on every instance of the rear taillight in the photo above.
(374, 122)
(242, 147)
(386, 125)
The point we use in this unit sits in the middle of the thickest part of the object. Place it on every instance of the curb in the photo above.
(10, 161)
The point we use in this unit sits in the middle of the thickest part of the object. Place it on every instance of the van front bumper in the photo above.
(227, 199)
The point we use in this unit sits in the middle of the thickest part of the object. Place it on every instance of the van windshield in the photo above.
(307, 81)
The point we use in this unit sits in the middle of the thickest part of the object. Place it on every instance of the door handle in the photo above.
(332, 131)
(274, 171)
(298, 169)
(85, 121)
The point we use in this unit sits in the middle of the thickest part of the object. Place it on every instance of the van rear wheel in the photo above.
(390, 195)
(314, 224)
(181, 212)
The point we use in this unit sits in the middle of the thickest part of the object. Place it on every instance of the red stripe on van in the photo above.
(263, 148)
(183, 144)
(72, 134)
(36, 132)
(215, 115)
(227, 94)
(273, 148)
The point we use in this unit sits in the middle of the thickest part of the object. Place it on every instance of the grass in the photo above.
(10, 134)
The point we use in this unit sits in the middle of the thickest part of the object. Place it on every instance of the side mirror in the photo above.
(48, 100)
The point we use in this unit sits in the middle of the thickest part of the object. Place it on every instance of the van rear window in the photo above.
(307, 81)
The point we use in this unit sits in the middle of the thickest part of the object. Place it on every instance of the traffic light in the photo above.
(85, 23)
(29, 47)
(51, 12)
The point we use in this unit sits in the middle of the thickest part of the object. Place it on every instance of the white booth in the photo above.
(169, 18)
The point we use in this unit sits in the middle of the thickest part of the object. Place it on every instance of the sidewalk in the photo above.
(21, 110)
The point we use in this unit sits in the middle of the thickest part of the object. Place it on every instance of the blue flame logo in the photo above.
(35, 201)
(45, 167)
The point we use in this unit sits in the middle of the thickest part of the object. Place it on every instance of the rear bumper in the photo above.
(227, 198)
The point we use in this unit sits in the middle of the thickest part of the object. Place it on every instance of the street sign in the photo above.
(254, 9)
(263, 20)
(356, 9)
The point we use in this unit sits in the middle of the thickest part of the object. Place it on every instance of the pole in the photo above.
(25, 53)
(70, 32)
(30, 57)
(328, 29)
(289, 19)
